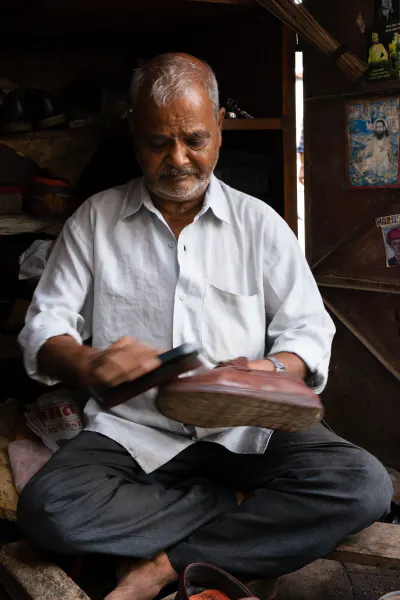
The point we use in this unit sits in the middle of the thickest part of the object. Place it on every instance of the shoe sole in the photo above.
(233, 409)
(51, 122)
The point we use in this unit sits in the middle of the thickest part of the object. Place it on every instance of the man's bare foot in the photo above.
(144, 580)
(240, 496)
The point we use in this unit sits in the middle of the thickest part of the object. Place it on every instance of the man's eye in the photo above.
(157, 146)
(195, 142)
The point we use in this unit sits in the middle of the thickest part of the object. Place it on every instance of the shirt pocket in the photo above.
(232, 325)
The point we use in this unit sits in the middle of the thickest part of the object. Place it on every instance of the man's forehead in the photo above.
(199, 131)
(195, 105)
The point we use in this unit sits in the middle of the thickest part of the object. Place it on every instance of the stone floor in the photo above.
(331, 580)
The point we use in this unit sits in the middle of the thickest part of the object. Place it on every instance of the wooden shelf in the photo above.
(245, 2)
(23, 223)
(45, 134)
(273, 123)
(63, 152)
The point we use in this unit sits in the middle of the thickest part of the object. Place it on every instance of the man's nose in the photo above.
(177, 155)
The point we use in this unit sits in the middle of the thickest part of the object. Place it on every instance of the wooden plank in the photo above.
(289, 129)
(378, 545)
(363, 339)
(27, 575)
(353, 284)
(253, 124)
(359, 260)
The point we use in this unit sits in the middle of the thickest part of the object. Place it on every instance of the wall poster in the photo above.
(383, 52)
(390, 227)
(372, 155)
(386, 10)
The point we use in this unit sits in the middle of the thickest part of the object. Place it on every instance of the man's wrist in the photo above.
(62, 357)
(261, 365)
(279, 366)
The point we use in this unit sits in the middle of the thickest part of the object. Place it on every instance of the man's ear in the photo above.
(221, 116)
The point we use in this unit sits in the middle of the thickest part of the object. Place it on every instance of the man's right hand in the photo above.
(126, 360)
(62, 358)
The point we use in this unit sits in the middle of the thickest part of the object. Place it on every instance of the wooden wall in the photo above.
(346, 251)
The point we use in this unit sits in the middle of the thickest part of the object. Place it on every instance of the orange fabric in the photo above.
(210, 595)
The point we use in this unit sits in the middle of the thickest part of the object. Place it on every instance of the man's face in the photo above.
(379, 129)
(177, 145)
(395, 246)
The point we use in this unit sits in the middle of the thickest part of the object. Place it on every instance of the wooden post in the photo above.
(289, 126)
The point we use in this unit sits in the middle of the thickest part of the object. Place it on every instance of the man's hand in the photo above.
(301, 171)
(63, 358)
(125, 360)
(301, 175)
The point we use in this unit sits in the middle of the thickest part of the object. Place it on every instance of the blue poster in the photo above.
(373, 143)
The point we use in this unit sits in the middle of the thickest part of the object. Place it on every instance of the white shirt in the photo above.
(235, 283)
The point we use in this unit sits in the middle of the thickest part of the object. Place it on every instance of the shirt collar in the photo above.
(138, 195)
(216, 200)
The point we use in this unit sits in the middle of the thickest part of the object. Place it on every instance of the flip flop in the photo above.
(206, 582)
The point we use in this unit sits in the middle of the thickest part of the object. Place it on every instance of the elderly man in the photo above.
(393, 241)
(178, 256)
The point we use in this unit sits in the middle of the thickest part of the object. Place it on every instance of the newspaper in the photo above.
(56, 416)
(33, 261)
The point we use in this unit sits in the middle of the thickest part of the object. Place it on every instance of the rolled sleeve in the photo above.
(296, 316)
(62, 293)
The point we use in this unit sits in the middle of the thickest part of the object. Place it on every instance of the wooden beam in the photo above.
(377, 546)
(273, 123)
(354, 284)
(289, 126)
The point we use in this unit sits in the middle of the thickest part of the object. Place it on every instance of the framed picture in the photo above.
(383, 52)
(386, 11)
(390, 227)
(372, 135)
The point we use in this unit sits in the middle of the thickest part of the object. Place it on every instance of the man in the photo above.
(393, 241)
(300, 152)
(385, 11)
(377, 52)
(394, 51)
(378, 155)
(180, 257)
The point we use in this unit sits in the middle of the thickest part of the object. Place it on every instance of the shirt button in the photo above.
(181, 296)
(171, 244)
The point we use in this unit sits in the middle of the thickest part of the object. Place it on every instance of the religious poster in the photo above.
(372, 131)
(390, 227)
(386, 11)
(383, 52)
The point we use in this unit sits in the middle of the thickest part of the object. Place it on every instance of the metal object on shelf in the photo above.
(232, 106)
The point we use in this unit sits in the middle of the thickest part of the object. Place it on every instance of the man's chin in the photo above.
(180, 192)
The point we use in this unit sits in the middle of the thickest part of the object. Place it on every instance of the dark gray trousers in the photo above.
(306, 493)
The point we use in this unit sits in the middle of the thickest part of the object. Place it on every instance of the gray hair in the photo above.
(170, 76)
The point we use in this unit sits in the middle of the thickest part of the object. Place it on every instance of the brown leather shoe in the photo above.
(234, 395)
(206, 582)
